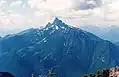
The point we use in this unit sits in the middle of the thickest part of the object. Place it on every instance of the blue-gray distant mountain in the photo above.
(69, 50)
(117, 43)
(110, 33)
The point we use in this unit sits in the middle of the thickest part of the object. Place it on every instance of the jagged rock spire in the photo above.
(57, 21)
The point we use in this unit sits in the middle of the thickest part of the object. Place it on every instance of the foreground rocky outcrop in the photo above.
(108, 72)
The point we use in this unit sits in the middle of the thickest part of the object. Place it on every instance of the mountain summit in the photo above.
(57, 23)
(68, 50)
(57, 20)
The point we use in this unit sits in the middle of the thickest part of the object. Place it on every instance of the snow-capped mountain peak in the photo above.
(57, 20)
(59, 23)
(56, 24)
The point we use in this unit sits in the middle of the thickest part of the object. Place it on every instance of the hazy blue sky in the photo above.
(20, 14)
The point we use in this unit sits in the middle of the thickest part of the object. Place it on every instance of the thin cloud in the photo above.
(20, 14)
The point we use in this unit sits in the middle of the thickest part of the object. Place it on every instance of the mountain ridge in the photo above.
(109, 33)
(70, 50)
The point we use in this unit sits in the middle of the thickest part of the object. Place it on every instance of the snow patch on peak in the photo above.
(52, 25)
(46, 29)
(62, 27)
(57, 27)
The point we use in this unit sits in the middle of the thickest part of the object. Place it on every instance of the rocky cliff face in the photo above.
(68, 50)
